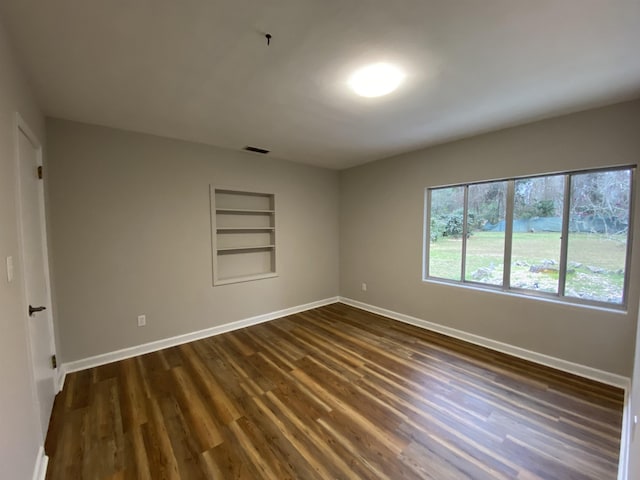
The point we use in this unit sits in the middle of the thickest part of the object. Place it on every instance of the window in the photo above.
(447, 205)
(484, 259)
(561, 235)
(538, 208)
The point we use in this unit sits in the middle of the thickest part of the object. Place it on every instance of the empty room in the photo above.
(319, 240)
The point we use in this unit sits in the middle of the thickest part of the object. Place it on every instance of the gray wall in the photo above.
(381, 224)
(19, 426)
(131, 234)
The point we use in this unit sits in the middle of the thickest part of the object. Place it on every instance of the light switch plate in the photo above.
(9, 269)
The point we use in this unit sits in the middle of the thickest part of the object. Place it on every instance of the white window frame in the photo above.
(506, 278)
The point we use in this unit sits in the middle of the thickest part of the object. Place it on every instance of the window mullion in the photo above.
(427, 234)
(564, 236)
(508, 234)
(632, 209)
(464, 233)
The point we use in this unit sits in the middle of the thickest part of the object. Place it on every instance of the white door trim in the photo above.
(22, 127)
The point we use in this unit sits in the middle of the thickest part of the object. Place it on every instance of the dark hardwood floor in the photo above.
(332, 393)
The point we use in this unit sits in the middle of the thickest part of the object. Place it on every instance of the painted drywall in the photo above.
(633, 467)
(20, 437)
(131, 235)
(381, 234)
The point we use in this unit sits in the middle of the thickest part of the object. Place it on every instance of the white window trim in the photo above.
(505, 288)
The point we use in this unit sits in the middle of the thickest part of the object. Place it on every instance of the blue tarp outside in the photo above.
(554, 224)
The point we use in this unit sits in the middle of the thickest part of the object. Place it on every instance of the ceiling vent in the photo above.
(249, 148)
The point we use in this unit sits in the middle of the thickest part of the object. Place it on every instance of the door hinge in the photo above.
(54, 361)
(40, 172)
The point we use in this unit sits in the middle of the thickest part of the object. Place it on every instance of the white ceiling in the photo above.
(200, 70)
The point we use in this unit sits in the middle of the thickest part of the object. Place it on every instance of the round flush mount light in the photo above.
(376, 80)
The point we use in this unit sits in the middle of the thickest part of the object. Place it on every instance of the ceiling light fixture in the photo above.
(376, 80)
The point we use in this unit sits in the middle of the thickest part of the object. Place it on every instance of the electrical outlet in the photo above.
(142, 320)
(364, 287)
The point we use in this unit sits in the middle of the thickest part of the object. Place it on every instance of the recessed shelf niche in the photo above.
(243, 227)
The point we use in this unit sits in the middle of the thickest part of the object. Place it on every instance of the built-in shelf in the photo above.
(243, 229)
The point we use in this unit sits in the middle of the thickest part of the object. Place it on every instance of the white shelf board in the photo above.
(242, 210)
(245, 229)
(245, 278)
(253, 247)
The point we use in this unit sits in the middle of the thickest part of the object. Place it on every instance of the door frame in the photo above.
(21, 127)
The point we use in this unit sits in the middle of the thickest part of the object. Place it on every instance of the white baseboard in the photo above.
(110, 357)
(40, 468)
(59, 378)
(540, 358)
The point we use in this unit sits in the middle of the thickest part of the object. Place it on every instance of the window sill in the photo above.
(621, 309)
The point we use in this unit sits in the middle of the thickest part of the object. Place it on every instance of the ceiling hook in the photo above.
(268, 37)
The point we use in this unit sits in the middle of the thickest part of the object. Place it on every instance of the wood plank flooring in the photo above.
(332, 393)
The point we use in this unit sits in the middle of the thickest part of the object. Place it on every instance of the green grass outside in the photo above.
(586, 253)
